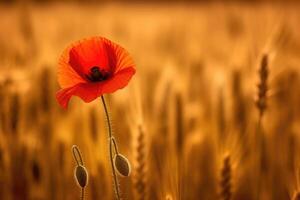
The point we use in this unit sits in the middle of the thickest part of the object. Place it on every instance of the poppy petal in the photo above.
(77, 61)
(67, 76)
(90, 91)
(88, 53)
(78, 58)
(118, 81)
(98, 51)
(119, 58)
(86, 91)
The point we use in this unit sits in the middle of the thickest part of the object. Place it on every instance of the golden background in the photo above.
(188, 121)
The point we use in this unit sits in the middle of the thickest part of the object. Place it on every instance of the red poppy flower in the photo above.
(92, 67)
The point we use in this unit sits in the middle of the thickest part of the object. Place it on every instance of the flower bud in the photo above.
(81, 175)
(122, 165)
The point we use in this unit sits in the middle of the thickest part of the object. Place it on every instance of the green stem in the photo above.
(111, 142)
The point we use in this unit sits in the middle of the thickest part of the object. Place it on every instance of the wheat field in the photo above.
(213, 111)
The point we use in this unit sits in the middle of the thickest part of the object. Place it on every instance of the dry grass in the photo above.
(225, 182)
(194, 92)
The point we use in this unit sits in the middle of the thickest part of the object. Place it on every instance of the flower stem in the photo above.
(111, 143)
(82, 194)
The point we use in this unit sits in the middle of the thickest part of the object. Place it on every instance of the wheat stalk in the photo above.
(261, 105)
(45, 89)
(14, 112)
(225, 183)
(93, 124)
(140, 171)
(262, 86)
(179, 120)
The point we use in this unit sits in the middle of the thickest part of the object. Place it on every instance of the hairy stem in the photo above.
(82, 194)
(111, 143)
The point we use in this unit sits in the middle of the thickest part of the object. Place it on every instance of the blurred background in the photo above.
(188, 121)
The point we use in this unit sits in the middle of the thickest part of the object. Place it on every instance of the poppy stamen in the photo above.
(96, 74)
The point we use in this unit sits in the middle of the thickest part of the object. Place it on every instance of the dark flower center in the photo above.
(97, 74)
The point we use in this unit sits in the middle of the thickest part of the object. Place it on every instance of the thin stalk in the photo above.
(115, 145)
(82, 194)
(111, 143)
(258, 138)
(260, 146)
(77, 155)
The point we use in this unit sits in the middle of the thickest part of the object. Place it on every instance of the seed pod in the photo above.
(81, 175)
(122, 165)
